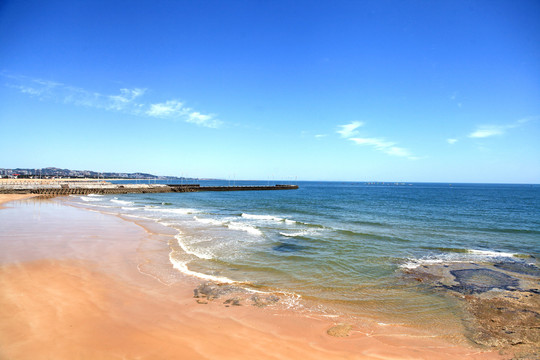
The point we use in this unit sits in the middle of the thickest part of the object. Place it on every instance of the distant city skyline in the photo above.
(413, 91)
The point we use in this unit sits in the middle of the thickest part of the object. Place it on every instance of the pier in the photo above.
(105, 188)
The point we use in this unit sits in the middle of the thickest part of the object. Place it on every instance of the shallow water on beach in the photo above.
(342, 247)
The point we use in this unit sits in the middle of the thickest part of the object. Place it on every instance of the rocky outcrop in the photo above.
(502, 299)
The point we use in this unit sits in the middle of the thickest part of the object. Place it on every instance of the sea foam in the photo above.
(489, 253)
(208, 221)
(301, 233)
(122, 202)
(469, 255)
(262, 217)
(182, 267)
(244, 227)
(181, 211)
(187, 250)
(90, 198)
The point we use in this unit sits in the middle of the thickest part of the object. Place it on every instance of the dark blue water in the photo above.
(342, 245)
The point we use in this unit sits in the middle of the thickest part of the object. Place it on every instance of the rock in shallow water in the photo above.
(289, 247)
(501, 298)
(518, 267)
(212, 291)
(260, 301)
(341, 330)
(472, 281)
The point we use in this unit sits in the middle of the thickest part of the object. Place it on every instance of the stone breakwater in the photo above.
(81, 188)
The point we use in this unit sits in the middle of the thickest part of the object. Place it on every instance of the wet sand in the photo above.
(4, 198)
(74, 284)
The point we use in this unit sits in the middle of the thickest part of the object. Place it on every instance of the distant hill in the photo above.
(67, 173)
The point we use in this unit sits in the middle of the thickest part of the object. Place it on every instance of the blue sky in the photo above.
(445, 91)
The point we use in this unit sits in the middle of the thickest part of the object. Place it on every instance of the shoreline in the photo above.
(101, 289)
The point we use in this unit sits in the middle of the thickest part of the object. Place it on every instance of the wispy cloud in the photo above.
(125, 99)
(385, 146)
(484, 131)
(349, 130)
(320, 136)
(168, 109)
(128, 101)
(203, 120)
(454, 98)
(452, 141)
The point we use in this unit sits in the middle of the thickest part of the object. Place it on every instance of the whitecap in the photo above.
(262, 217)
(300, 233)
(122, 202)
(244, 227)
(488, 253)
(182, 211)
(208, 221)
(87, 198)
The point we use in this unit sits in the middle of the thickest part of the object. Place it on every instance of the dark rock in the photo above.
(481, 280)
(212, 291)
(422, 277)
(518, 267)
(264, 301)
(233, 301)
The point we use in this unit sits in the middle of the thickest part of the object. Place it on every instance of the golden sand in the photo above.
(70, 288)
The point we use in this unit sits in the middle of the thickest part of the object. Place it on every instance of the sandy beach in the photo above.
(74, 285)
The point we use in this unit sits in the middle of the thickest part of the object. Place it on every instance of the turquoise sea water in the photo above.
(342, 246)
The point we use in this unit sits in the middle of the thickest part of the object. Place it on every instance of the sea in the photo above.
(342, 248)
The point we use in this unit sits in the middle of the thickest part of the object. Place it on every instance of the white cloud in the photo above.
(350, 129)
(487, 131)
(379, 144)
(452, 141)
(30, 90)
(320, 136)
(127, 101)
(527, 119)
(386, 147)
(203, 120)
(397, 151)
(484, 131)
(174, 109)
(168, 109)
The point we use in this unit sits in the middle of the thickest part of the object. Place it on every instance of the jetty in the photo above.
(58, 188)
